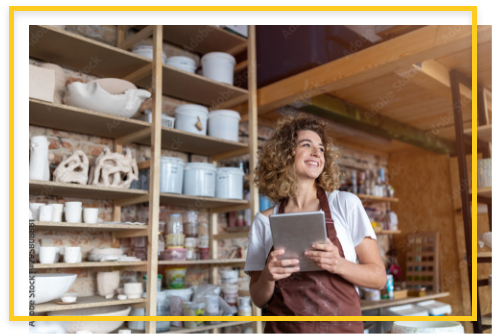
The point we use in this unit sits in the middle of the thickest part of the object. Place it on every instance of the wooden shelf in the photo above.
(73, 51)
(89, 264)
(49, 188)
(484, 192)
(371, 198)
(62, 226)
(199, 202)
(201, 329)
(484, 133)
(487, 319)
(203, 38)
(389, 232)
(484, 255)
(85, 302)
(207, 262)
(383, 303)
(72, 119)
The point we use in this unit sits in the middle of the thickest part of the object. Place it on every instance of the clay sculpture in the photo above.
(114, 169)
(73, 168)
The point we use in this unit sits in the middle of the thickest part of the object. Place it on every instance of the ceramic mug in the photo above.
(90, 215)
(57, 212)
(73, 212)
(35, 210)
(45, 213)
(72, 255)
(47, 254)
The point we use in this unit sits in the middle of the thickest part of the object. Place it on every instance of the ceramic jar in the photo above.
(39, 168)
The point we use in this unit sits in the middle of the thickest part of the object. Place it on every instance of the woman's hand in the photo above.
(326, 257)
(278, 269)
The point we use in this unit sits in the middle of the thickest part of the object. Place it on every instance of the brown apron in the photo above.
(315, 293)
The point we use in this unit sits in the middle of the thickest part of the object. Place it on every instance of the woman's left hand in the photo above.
(326, 256)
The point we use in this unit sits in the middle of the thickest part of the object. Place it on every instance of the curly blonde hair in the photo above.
(275, 175)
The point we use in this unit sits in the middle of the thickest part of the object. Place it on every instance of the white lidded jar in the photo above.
(229, 183)
(171, 175)
(191, 118)
(147, 51)
(434, 327)
(199, 179)
(183, 63)
(224, 124)
(39, 168)
(219, 66)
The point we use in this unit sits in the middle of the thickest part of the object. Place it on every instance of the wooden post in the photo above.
(154, 196)
(253, 140)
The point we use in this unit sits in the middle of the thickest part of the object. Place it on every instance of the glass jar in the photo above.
(175, 224)
(161, 246)
(192, 217)
(191, 230)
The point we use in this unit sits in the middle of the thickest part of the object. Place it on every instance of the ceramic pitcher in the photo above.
(39, 168)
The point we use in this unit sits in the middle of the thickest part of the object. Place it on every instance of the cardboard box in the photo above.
(41, 83)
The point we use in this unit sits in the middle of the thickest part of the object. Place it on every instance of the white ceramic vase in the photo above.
(39, 168)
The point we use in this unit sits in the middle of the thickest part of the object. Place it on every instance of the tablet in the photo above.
(296, 233)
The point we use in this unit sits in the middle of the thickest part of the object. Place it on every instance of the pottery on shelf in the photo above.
(114, 169)
(92, 96)
(107, 283)
(114, 86)
(73, 168)
(59, 80)
(133, 290)
(93, 326)
(39, 168)
(51, 286)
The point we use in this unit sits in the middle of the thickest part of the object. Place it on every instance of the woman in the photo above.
(298, 169)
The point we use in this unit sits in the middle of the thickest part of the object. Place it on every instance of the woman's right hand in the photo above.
(278, 269)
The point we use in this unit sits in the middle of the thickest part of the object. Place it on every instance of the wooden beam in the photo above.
(131, 200)
(139, 74)
(232, 154)
(426, 43)
(261, 121)
(346, 113)
(120, 34)
(130, 138)
(142, 34)
(130, 233)
(230, 208)
(241, 66)
(144, 164)
(229, 104)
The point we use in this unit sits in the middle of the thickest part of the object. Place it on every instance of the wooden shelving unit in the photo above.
(487, 319)
(383, 303)
(85, 302)
(484, 192)
(484, 255)
(484, 133)
(73, 51)
(370, 198)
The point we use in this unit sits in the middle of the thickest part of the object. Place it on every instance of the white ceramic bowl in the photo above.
(48, 287)
(69, 299)
(132, 288)
(106, 251)
(94, 326)
(122, 297)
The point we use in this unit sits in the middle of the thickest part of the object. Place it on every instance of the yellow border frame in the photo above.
(13, 9)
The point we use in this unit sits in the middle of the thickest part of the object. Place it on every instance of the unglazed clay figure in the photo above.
(39, 168)
(59, 80)
(107, 283)
(114, 169)
(73, 168)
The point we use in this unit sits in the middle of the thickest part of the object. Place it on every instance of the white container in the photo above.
(229, 276)
(45, 213)
(183, 63)
(212, 304)
(230, 288)
(191, 118)
(72, 255)
(229, 183)
(203, 241)
(57, 212)
(73, 212)
(219, 66)
(184, 294)
(406, 310)
(172, 175)
(47, 254)
(90, 215)
(166, 121)
(199, 179)
(434, 327)
(147, 51)
(35, 207)
(39, 168)
(137, 325)
(372, 294)
(244, 311)
(224, 124)
(436, 308)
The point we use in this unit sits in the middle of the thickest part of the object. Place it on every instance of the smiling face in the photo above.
(309, 155)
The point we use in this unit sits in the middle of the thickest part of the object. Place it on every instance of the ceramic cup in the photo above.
(73, 212)
(72, 255)
(35, 210)
(90, 215)
(57, 212)
(45, 213)
(47, 254)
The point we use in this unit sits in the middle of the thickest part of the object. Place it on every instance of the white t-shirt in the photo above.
(351, 223)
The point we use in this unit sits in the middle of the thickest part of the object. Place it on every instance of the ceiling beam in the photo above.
(417, 46)
(349, 114)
